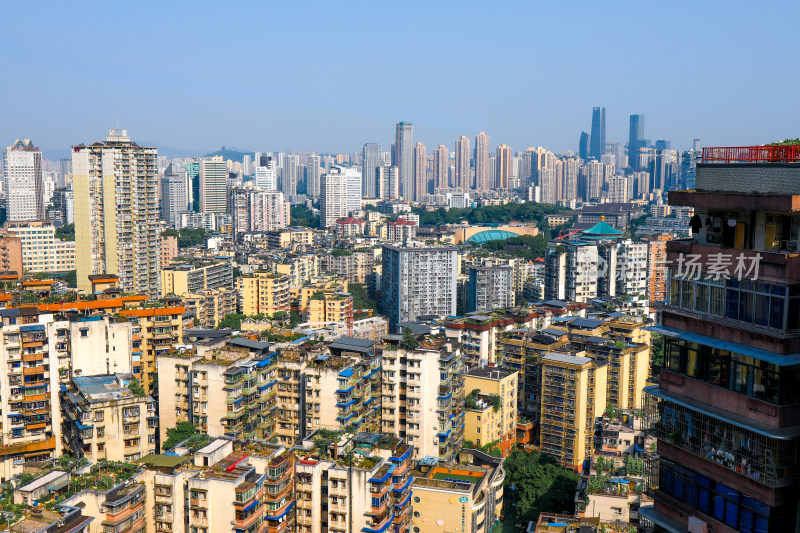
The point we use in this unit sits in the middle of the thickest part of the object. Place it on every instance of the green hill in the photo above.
(233, 155)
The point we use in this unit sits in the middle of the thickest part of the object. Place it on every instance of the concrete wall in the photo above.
(749, 178)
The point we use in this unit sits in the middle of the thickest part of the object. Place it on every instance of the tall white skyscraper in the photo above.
(370, 160)
(462, 164)
(483, 180)
(313, 173)
(289, 166)
(386, 182)
(341, 194)
(265, 172)
(403, 159)
(420, 172)
(213, 185)
(441, 167)
(22, 179)
(174, 196)
(117, 231)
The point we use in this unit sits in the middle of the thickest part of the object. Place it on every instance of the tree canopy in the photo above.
(361, 299)
(525, 246)
(178, 434)
(66, 232)
(303, 216)
(231, 321)
(187, 237)
(499, 214)
(535, 483)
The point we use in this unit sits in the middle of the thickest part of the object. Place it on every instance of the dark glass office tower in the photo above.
(598, 138)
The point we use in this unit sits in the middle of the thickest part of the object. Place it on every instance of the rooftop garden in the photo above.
(101, 477)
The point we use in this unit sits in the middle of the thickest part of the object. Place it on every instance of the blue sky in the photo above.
(330, 76)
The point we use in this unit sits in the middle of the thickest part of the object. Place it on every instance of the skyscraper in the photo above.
(420, 172)
(404, 158)
(597, 144)
(257, 210)
(265, 172)
(462, 164)
(385, 182)
(174, 197)
(502, 166)
(22, 175)
(584, 146)
(213, 185)
(569, 175)
(441, 167)
(635, 140)
(483, 181)
(418, 281)
(289, 164)
(311, 162)
(370, 160)
(115, 184)
(341, 194)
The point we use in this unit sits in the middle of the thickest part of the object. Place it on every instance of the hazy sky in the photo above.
(330, 76)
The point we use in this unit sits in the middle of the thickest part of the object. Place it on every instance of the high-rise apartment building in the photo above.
(429, 380)
(387, 182)
(310, 162)
(570, 167)
(257, 210)
(341, 194)
(174, 196)
(420, 173)
(584, 146)
(483, 181)
(404, 158)
(725, 410)
(619, 190)
(31, 427)
(117, 231)
(490, 287)
(597, 141)
(635, 140)
(462, 175)
(418, 281)
(289, 166)
(502, 166)
(573, 396)
(22, 178)
(370, 160)
(213, 181)
(265, 172)
(441, 167)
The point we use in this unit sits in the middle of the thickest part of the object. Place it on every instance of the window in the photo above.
(99, 416)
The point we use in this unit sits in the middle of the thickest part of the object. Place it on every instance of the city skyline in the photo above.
(197, 94)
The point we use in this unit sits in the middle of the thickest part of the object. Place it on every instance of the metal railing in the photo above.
(752, 154)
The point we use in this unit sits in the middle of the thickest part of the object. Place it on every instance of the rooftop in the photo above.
(490, 372)
(103, 388)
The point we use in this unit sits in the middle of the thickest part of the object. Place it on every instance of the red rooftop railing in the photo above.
(752, 154)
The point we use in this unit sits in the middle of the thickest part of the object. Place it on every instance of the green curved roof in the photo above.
(491, 235)
(601, 230)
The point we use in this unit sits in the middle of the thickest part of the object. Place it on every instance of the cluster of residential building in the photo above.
(372, 373)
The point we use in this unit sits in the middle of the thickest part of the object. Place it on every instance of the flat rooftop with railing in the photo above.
(747, 170)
